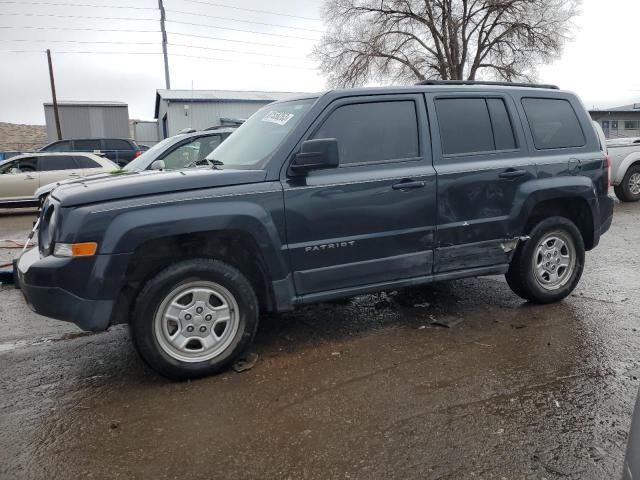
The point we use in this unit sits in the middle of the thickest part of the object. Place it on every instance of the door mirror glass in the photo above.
(315, 154)
(157, 165)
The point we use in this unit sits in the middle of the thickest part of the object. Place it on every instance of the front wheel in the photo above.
(194, 318)
(548, 266)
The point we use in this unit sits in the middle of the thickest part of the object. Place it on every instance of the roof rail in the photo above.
(480, 82)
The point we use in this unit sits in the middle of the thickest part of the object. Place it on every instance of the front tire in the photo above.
(548, 266)
(194, 318)
(629, 189)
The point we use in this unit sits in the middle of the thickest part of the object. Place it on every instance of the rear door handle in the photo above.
(512, 173)
(408, 185)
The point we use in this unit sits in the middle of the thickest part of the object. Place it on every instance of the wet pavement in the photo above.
(371, 388)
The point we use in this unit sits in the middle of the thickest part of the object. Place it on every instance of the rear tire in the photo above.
(548, 266)
(629, 189)
(194, 318)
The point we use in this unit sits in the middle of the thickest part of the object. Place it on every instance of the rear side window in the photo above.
(86, 145)
(58, 147)
(85, 162)
(553, 123)
(471, 125)
(374, 132)
(115, 144)
(56, 162)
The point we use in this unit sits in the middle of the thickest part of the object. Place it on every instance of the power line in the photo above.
(234, 51)
(99, 42)
(51, 4)
(81, 29)
(92, 52)
(248, 42)
(84, 17)
(252, 10)
(244, 31)
(92, 42)
(244, 21)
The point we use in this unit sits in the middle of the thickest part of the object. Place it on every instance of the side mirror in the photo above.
(157, 165)
(316, 154)
(14, 170)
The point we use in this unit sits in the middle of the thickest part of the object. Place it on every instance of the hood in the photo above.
(48, 188)
(129, 185)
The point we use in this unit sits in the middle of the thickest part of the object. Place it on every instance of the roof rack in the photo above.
(479, 82)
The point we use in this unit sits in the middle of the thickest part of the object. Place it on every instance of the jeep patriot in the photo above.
(322, 197)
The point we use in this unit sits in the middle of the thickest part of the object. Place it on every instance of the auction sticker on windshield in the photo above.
(280, 118)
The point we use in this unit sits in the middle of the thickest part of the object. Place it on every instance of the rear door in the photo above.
(482, 162)
(370, 221)
(53, 168)
(18, 179)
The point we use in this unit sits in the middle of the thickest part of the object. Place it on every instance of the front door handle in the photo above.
(408, 185)
(29, 177)
(512, 173)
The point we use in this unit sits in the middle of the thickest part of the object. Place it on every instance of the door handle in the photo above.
(408, 185)
(74, 174)
(512, 173)
(29, 177)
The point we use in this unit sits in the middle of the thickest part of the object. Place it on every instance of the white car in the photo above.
(625, 168)
(22, 175)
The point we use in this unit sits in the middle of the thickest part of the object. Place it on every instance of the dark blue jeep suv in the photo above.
(322, 197)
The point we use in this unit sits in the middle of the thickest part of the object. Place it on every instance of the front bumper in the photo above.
(71, 289)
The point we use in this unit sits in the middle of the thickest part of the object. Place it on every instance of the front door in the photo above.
(482, 163)
(371, 220)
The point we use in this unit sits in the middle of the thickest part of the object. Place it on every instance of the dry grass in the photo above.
(22, 137)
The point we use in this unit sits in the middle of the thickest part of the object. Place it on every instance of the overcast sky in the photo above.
(599, 64)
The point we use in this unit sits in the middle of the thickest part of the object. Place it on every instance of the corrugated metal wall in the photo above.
(201, 115)
(145, 132)
(88, 121)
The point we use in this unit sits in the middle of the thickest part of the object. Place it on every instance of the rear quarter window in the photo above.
(553, 123)
(116, 144)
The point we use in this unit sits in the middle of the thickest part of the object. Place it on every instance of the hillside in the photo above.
(22, 137)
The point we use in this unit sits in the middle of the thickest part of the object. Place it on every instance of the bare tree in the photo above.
(413, 40)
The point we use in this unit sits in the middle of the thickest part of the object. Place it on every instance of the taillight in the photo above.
(608, 163)
(137, 153)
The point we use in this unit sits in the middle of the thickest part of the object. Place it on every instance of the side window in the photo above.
(86, 145)
(470, 125)
(374, 132)
(116, 144)
(501, 123)
(86, 162)
(184, 156)
(56, 162)
(553, 123)
(59, 147)
(22, 165)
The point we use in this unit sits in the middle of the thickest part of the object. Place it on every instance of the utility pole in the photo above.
(167, 81)
(53, 95)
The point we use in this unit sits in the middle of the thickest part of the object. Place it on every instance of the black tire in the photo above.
(143, 326)
(521, 276)
(623, 191)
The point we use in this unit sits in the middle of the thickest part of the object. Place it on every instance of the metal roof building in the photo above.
(88, 120)
(176, 110)
(619, 122)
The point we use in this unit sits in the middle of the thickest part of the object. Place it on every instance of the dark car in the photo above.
(324, 197)
(118, 150)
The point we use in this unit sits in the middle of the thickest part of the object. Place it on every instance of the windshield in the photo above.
(142, 162)
(258, 137)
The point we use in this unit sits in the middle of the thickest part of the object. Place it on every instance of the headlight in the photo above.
(75, 249)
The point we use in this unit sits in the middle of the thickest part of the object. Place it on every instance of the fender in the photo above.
(534, 192)
(621, 169)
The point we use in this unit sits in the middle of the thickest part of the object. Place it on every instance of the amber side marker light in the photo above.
(75, 249)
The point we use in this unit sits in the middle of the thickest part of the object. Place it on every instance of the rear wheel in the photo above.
(194, 318)
(548, 266)
(629, 189)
